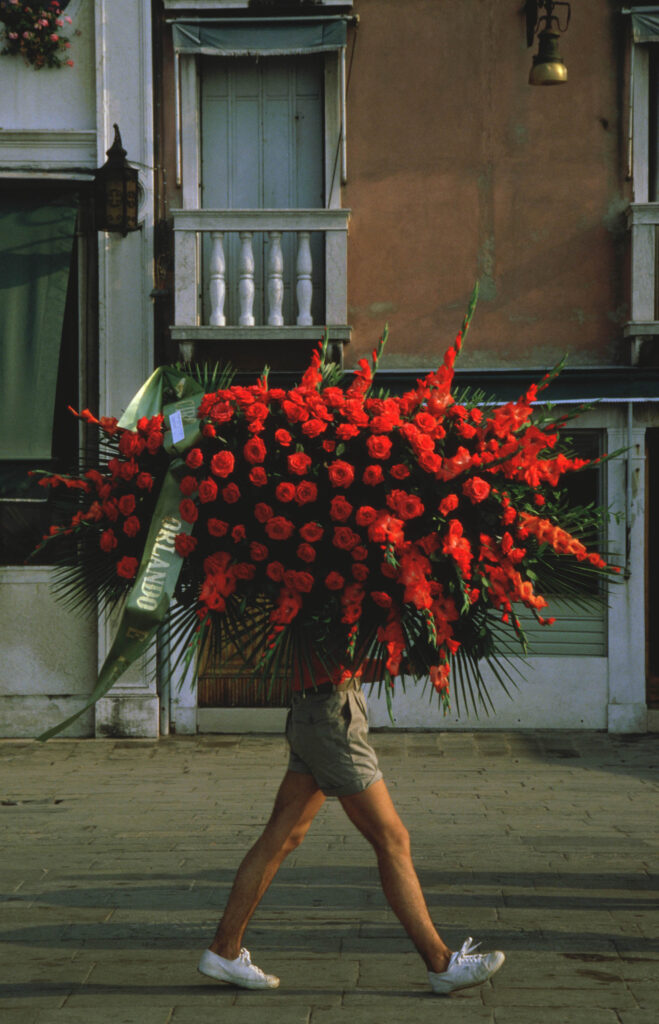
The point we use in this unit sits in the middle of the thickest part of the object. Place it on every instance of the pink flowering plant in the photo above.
(34, 32)
(331, 529)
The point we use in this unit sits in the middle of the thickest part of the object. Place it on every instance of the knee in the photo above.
(393, 841)
(293, 840)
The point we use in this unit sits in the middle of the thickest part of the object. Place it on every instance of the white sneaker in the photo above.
(240, 971)
(465, 969)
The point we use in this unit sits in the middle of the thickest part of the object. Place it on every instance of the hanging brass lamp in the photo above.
(548, 67)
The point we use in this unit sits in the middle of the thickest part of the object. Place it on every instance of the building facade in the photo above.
(304, 164)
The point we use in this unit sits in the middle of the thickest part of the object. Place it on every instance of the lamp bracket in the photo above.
(547, 21)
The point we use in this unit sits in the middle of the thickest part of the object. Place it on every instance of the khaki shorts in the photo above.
(327, 733)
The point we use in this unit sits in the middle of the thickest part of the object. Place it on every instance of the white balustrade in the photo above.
(304, 288)
(217, 280)
(275, 280)
(246, 282)
(190, 225)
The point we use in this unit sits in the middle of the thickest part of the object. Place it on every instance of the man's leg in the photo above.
(373, 813)
(298, 801)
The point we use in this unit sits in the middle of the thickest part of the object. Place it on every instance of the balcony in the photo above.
(260, 275)
(643, 326)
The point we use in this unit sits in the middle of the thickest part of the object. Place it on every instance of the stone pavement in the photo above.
(116, 858)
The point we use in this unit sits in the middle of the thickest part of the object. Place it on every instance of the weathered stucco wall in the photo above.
(458, 170)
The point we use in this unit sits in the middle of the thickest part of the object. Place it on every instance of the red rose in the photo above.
(132, 526)
(379, 446)
(108, 541)
(258, 552)
(258, 476)
(283, 438)
(294, 413)
(285, 491)
(365, 515)
(154, 441)
(429, 462)
(188, 485)
(207, 491)
(334, 581)
(127, 567)
(231, 494)
(279, 528)
(380, 598)
(130, 444)
(346, 431)
(111, 510)
(189, 511)
(306, 553)
(257, 411)
(262, 512)
(305, 492)
(302, 581)
(127, 504)
(238, 533)
(448, 504)
(372, 476)
(311, 532)
(208, 430)
(222, 464)
(329, 446)
(399, 471)
(127, 470)
(359, 554)
(144, 481)
(275, 571)
(184, 544)
(360, 571)
(244, 570)
(194, 458)
(299, 463)
(340, 509)
(341, 473)
(345, 538)
(313, 428)
(476, 489)
(254, 450)
(217, 527)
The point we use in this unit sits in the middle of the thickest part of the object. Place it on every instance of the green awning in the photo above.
(36, 244)
(645, 25)
(260, 38)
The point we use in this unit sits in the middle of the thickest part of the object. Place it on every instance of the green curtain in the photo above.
(36, 245)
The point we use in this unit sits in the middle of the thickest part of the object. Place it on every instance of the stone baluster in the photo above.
(275, 280)
(246, 281)
(304, 285)
(217, 280)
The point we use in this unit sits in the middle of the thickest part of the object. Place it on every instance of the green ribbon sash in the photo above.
(158, 571)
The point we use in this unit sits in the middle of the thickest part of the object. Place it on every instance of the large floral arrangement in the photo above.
(328, 529)
(33, 31)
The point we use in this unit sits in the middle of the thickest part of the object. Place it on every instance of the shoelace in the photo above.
(246, 959)
(466, 951)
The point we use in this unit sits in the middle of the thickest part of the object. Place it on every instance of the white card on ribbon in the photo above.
(176, 426)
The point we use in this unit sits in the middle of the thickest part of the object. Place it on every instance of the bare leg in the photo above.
(373, 813)
(296, 805)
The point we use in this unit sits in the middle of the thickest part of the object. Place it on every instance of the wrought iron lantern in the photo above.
(115, 191)
(548, 67)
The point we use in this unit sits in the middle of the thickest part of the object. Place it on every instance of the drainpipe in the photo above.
(628, 491)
